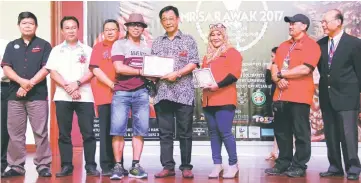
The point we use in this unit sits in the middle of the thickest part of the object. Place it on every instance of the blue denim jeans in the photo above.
(122, 103)
(220, 128)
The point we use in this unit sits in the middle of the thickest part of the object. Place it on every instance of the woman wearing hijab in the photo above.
(220, 99)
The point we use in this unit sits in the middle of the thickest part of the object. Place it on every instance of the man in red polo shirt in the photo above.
(102, 67)
(295, 61)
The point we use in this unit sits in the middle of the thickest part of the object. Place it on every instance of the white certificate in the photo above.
(155, 66)
(204, 77)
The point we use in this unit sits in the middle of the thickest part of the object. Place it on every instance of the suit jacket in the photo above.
(340, 85)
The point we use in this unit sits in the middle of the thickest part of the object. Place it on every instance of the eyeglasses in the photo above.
(326, 22)
(218, 25)
(134, 24)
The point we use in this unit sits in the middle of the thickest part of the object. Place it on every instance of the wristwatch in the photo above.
(279, 75)
(78, 82)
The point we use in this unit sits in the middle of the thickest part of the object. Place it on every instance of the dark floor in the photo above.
(251, 171)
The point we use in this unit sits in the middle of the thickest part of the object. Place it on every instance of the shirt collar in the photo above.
(108, 43)
(179, 35)
(65, 44)
(337, 38)
(32, 39)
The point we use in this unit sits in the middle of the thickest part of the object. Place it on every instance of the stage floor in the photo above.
(251, 171)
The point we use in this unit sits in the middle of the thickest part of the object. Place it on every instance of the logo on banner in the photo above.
(258, 98)
(245, 27)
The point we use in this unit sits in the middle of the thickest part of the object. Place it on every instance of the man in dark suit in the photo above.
(339, 86)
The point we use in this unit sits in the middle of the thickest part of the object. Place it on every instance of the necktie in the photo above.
(331, 53)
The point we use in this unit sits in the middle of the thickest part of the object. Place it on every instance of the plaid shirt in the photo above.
(183, 48)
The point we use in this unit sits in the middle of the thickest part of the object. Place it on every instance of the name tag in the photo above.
(36, 49)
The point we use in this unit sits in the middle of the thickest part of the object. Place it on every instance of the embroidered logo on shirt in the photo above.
(36, 49)
(82, 59)
(106, 55)
(16, 46)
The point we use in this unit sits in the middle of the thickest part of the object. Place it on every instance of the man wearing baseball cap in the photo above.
(130, 92)
(292, 70)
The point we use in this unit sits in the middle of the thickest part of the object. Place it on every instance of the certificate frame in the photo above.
(167, 64)
(203, 77)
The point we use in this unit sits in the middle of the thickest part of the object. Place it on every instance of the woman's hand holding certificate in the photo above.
(204, 78)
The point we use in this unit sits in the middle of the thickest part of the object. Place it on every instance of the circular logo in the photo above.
(245, 28)
(16, 46)
(258, 98)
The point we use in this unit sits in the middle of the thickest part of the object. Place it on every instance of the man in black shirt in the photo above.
(23, 63)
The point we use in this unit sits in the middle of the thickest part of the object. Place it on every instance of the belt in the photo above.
(135, 89)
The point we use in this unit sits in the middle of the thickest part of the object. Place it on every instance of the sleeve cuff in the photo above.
(194, 61)
(118, 58)
(309, 66)
(93, 66)
(5, 64)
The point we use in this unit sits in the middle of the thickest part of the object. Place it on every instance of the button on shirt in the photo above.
(183, 48)
(26, 61)
(72, 64)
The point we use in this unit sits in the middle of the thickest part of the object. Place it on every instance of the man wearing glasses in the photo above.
(102, 86)
(340, 82)
(130, 93)
(175, 93)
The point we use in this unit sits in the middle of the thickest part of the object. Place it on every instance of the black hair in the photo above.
(274, 49)
(169, 8)
(68, 18)
(126, 35)
(339, 16)
(27, 14)
(110, 21)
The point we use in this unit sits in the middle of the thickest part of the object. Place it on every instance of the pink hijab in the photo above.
(212, 52)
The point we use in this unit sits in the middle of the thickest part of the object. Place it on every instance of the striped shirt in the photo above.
(131, 55)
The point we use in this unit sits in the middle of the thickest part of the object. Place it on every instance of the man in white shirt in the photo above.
(68, 64)
(4, 109)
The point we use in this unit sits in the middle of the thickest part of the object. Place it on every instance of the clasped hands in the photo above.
(25, 86)
(72, 89)
(281, 83)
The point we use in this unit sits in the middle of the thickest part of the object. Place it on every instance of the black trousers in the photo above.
(165, 112)
(4, 127)
(64, 116)
(294, 120)
(341, 127)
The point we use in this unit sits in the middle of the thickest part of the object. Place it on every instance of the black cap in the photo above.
(298, 18)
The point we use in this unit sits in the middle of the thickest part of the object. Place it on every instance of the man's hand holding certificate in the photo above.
(205, 79)
(154, 66)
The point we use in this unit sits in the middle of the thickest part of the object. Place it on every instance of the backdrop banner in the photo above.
(254, 29)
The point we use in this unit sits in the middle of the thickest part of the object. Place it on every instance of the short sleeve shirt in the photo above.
(306, 52)
(183, 48)
(131, 55)
(27, 61)
(72, 64)
(3, 44)
(101, 58)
